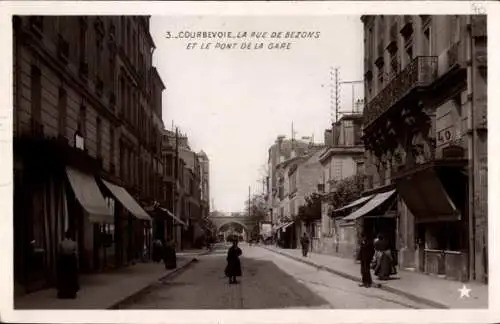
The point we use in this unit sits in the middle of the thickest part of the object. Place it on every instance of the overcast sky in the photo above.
(233, 103)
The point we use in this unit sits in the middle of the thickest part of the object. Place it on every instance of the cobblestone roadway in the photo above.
(269, 281)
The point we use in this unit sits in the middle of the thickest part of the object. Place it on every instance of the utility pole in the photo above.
(337, 94)
(249, 202)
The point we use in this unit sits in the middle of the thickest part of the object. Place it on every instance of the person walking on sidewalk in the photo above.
(169, 256)
(384, 263)
(365, 255)
(233, 267)
(304, 241)
(67, 268)
(157, 250)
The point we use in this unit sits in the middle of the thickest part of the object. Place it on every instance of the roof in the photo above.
(341, 150)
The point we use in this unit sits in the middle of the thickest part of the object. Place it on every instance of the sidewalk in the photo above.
(437, 293)
(104, 290)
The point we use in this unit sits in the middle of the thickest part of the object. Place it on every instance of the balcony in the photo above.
(420, 72)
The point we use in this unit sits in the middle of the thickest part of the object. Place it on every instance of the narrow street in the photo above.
(270, 281)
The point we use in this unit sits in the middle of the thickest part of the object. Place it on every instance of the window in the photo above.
(98, 137)
(112, 148)
(360, 167)
(380, 77)
(394, 64)
(370, 44)
(36, 93)
(427, 42)
(81, 129)
(83, 40)
(409, 53)
(98, 52)
(62, 111)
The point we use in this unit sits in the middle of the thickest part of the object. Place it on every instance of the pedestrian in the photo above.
(384, 261)
(157, 250)
(233, 267)
(169, 255)
(67, 268)
(304, 241)
(365, 256)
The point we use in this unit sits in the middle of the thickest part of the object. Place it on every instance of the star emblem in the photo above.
(464, 291)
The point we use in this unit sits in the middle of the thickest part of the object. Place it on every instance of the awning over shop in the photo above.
(370, 205)
(90, 197)
(287, 225)
(177, 219)
(282, 226)
(426, 197)
(355, 203)
(127, 201)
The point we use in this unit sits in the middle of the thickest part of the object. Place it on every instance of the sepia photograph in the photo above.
(249, 162)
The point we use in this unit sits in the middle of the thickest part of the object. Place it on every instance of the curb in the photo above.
(355, 278)
(142, 290)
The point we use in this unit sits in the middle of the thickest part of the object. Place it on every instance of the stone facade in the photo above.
(87, 96)
(344, 158)
(425, 86)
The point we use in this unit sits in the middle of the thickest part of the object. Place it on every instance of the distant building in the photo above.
(298, 177)
(282, 150)
(204, 163)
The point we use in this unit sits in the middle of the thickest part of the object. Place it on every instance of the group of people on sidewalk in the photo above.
(375, 255)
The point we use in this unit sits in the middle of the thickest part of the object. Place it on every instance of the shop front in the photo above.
(377, 216)
(54, 191)
(139, 245)
(435, 193)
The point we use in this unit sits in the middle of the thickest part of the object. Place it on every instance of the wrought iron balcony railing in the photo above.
(420, 72)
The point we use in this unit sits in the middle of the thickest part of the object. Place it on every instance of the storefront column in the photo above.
(406, 236)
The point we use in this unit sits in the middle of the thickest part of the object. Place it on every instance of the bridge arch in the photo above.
(232, 221)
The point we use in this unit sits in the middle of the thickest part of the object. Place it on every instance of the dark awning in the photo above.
(127, 201)
(355, 203)
(89, 196)
(177, 219)
(370, 205)
(426, 197)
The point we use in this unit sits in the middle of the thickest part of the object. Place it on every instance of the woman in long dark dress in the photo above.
(384, 265)
(233, 268)
(67, 268)
(169, 255)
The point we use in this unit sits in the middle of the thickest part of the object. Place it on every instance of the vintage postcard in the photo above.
(295, 161)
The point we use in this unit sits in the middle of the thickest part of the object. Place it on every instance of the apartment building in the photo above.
(425, 134)
(297, 178)
(185, 198)
(282, 150)
(87, 119)
(342, 159)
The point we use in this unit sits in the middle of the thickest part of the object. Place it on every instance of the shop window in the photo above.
(36, 92)
(99, 137)
(62, 103)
